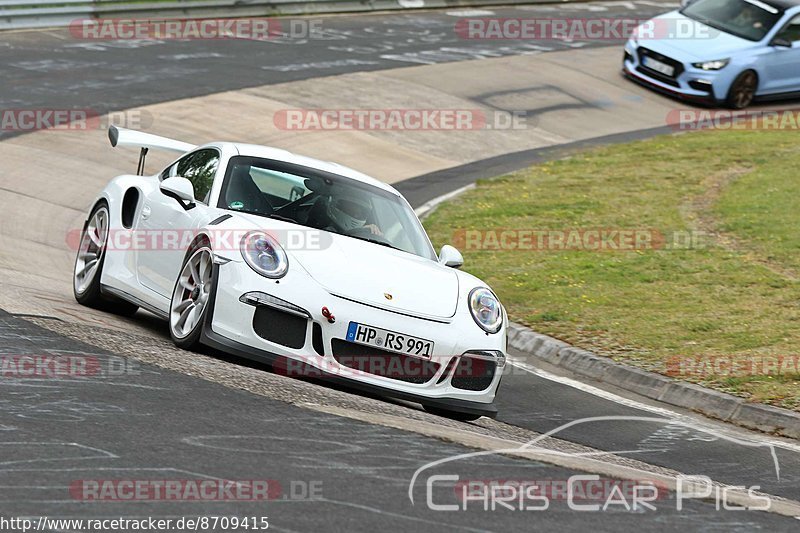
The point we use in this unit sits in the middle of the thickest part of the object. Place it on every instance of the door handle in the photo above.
(146, 212)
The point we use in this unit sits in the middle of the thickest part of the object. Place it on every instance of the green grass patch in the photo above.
(724, 282)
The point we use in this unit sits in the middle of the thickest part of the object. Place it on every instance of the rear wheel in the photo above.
(89, 265)
(190, 298)
(743, 90)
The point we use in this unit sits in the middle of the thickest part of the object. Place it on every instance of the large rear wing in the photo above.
(145, 141)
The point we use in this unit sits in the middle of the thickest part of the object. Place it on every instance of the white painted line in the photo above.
(427, 207)
(470, 13)
(689, 421)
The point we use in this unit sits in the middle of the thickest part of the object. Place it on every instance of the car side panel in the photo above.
(119, 270)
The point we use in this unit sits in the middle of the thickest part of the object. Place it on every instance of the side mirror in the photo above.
(179, 188)
(782, 43)
(449, 256)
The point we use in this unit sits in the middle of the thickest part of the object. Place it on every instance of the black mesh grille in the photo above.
(473, 374)
(279, 327)
(670, 80)
(700, 86)
(382, 363)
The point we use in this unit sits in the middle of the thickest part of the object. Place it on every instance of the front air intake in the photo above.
(385, 364)
(281, 328)
(474, 372)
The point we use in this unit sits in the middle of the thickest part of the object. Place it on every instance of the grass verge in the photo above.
(711, 291)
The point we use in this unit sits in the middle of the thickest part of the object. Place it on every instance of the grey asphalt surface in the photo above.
(157, 424)
(421, 189)
(542, 405)
(52, 69)
(140, 422)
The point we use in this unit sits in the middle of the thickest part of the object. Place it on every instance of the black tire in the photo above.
(453, 415)
(189, 340)
(743, 90)
(120, 307)
(90, 293)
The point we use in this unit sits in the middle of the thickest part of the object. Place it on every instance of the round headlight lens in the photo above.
(485, 309)
(264, 254)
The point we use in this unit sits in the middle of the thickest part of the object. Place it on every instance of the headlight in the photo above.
(485, 309)
(264, 255)
(712, 65)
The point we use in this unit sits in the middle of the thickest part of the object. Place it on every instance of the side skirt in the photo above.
(122, 295)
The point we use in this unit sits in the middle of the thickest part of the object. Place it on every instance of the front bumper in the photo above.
(689, 84)
(232, 325)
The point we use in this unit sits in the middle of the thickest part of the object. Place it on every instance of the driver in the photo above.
(352, 213)
(747, 18)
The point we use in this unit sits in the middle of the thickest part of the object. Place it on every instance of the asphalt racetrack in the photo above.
(336, 459)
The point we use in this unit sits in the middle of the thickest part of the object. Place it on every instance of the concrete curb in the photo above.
(708, 402)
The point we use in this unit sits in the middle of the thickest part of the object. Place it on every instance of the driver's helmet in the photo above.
(349, 213)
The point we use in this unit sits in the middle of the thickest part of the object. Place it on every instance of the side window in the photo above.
(791, 32)
(199, 168)
(172, 170)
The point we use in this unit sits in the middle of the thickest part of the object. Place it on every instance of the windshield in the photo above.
(748, 19)
(324, 201)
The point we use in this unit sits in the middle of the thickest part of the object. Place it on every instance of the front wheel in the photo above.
(190, 299)
(743, 90)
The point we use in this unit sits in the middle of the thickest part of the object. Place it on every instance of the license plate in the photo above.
(389, 340)
(658, 66)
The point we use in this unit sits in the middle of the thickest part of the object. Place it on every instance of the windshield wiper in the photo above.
(285, 219)
(376, 241)
(277, 217)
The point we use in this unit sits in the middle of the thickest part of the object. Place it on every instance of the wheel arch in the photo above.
(114, 194)
(102, 199)
(746, 69)
(755, 70)
(199, 240)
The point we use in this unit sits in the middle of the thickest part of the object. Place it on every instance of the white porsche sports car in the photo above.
(309, 266)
